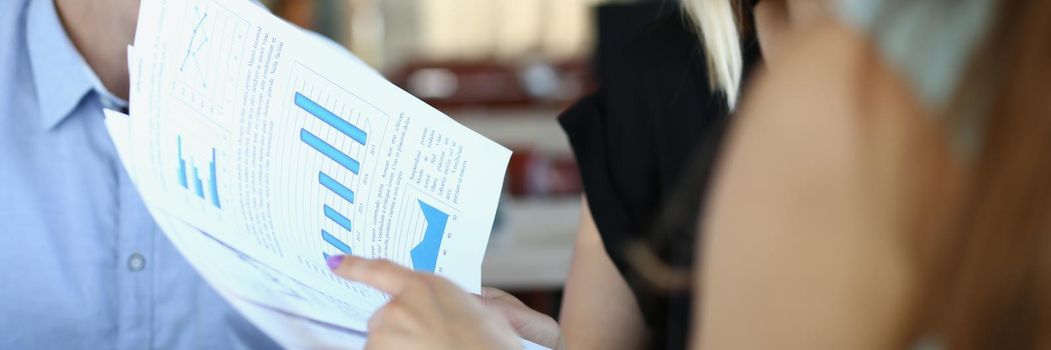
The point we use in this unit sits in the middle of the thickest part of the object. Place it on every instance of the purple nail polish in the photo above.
(334, 261)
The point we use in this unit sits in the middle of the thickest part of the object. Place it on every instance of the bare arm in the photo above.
(599, 310)
(807, 245)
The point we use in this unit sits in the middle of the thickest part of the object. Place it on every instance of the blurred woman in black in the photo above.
(645, 142)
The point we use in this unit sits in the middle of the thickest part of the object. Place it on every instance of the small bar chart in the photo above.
(189, 175)
(344, 160)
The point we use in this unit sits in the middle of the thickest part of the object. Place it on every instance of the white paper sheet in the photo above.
(285, 149)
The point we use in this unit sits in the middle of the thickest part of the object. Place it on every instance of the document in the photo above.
(261, 150)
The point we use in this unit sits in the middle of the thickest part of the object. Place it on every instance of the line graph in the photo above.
(212, 49)
(198, 40)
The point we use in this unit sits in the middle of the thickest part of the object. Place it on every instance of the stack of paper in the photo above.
(261, 150)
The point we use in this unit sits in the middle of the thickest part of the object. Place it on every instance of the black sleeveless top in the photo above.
(645, 142)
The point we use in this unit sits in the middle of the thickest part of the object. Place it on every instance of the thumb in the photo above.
(496, 296)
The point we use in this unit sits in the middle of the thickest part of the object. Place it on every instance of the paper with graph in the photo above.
(261, 150)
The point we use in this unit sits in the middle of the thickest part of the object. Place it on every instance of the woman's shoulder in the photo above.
(828, 150)
(799, 158)
(832, 70)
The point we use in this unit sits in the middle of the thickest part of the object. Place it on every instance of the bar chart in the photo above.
(330, 151)
(335, 155)
(336, 148)
(331, 119)
(189, 176)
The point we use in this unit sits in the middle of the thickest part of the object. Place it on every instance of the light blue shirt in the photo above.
(82, 264)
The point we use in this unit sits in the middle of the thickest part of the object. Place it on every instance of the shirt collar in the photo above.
(61, 75)
(108, 99)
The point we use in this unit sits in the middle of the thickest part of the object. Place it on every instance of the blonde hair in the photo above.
(716, 21)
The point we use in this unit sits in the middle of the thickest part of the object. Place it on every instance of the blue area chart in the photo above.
(425, 254)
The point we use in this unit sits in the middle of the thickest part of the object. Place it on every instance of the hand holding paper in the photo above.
(425, 312)
(287, 151)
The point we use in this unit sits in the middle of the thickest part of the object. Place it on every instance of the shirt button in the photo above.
(136, 262)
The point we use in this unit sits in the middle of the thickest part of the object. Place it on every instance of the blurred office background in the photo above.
(504, 68)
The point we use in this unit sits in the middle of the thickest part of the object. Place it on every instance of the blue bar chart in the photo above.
(336, 155)
(198, 185)
(213, 184)
(331, 119)
(189, 176)
(338, 218)
(336, 187)
(425, 254)
(183, 181)
(332, 240)
(329, 151)
(335, 242)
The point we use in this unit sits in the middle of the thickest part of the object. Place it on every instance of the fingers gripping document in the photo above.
(262, 150)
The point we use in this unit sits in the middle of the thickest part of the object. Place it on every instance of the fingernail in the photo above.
(334, 261)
